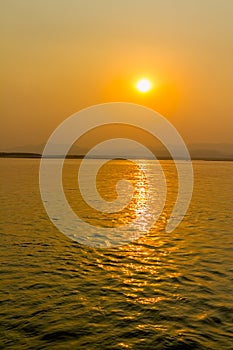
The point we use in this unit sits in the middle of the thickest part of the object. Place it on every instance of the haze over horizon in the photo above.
(58, 58)
(197, 151)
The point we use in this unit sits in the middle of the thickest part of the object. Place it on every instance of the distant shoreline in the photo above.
(39, 156)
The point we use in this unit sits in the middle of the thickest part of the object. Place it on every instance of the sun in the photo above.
(144, 85)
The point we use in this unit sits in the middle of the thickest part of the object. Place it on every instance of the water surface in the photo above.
(164, 291)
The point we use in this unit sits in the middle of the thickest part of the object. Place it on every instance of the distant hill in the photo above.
(202, 150)
(19, 155)
(212, 151)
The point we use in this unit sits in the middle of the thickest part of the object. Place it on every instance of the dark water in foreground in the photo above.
(166, 291)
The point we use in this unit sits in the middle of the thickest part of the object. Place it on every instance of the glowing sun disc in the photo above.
(144, 85)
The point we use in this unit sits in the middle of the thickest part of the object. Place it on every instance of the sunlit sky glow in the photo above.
(58, 57)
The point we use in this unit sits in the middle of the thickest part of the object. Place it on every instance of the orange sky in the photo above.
(60, 56)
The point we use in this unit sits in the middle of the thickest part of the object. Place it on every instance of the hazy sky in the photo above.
(59, 56)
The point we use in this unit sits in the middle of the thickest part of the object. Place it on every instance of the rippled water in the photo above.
(165, 291)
